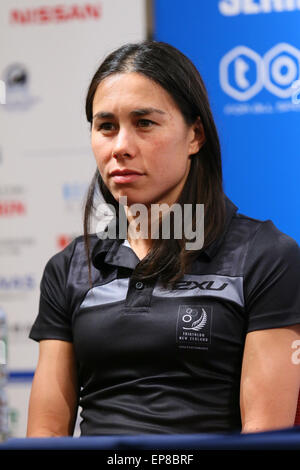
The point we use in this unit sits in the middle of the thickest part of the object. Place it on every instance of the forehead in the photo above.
(132, 90)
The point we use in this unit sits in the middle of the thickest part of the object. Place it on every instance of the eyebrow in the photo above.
(135, 112)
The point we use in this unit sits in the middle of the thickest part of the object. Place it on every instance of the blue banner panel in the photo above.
(248, 53)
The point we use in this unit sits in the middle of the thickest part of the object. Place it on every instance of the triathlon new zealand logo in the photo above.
(194, 326)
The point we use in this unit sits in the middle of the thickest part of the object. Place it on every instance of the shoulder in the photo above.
(271, 277)
(262, 237)
(266, 242)
(257, 249)
(250, 243)
(271, 259)
(60, 263)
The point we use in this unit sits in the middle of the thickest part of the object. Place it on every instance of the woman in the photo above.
(145, 335)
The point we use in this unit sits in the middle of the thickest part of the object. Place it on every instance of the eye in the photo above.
(145, 123)
(106, 127)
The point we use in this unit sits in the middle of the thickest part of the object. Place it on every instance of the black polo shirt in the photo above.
(151, 360)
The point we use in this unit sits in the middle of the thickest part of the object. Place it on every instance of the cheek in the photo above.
(169, 154)
(100, 151)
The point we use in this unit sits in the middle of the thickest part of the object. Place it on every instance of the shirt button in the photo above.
(139, 285)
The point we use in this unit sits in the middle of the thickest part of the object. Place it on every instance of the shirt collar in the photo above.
(119, 253)
(115, 252)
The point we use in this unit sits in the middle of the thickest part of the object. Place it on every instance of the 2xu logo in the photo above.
(204, 285)
(244, 73)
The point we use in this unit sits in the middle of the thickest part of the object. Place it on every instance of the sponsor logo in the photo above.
(194, 326)
(200, 286)
(254, 7)
(16, 88)
(64, 240)
(15, 246)
(12, 208)
(205, 285)
(282, 69)
(17, 282)
(74, 192)
(56, 14)
(12, 200)
(198, 324)
(243, 74)
(9, 190)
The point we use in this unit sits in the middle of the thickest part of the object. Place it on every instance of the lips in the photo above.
(125, 176)
(125, 172)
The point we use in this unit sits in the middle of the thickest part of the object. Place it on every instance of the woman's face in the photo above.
(136, 120)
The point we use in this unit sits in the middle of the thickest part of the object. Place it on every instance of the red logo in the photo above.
(63, 240)
(10, 208)
(56, 14)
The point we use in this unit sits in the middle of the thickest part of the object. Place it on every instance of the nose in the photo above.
(124, 144)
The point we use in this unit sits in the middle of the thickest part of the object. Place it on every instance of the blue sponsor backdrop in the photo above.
(248, 53)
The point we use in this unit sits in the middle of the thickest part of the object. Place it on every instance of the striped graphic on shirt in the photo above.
(114, 291)
(191, 285)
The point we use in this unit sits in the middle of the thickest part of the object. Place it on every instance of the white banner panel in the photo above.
(49, 52)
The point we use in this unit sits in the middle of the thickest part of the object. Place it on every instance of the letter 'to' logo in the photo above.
(282, 69)
(234, 73)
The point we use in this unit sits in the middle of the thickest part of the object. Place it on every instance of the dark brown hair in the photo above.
(174, 72)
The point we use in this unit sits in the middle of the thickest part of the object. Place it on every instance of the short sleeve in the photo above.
(272, 280)
(54, 320)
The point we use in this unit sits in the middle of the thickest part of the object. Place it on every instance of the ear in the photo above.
(198, 138)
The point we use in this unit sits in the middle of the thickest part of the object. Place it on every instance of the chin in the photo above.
(134, 198)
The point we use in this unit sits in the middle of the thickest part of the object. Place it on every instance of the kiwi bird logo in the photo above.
(200, 323)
